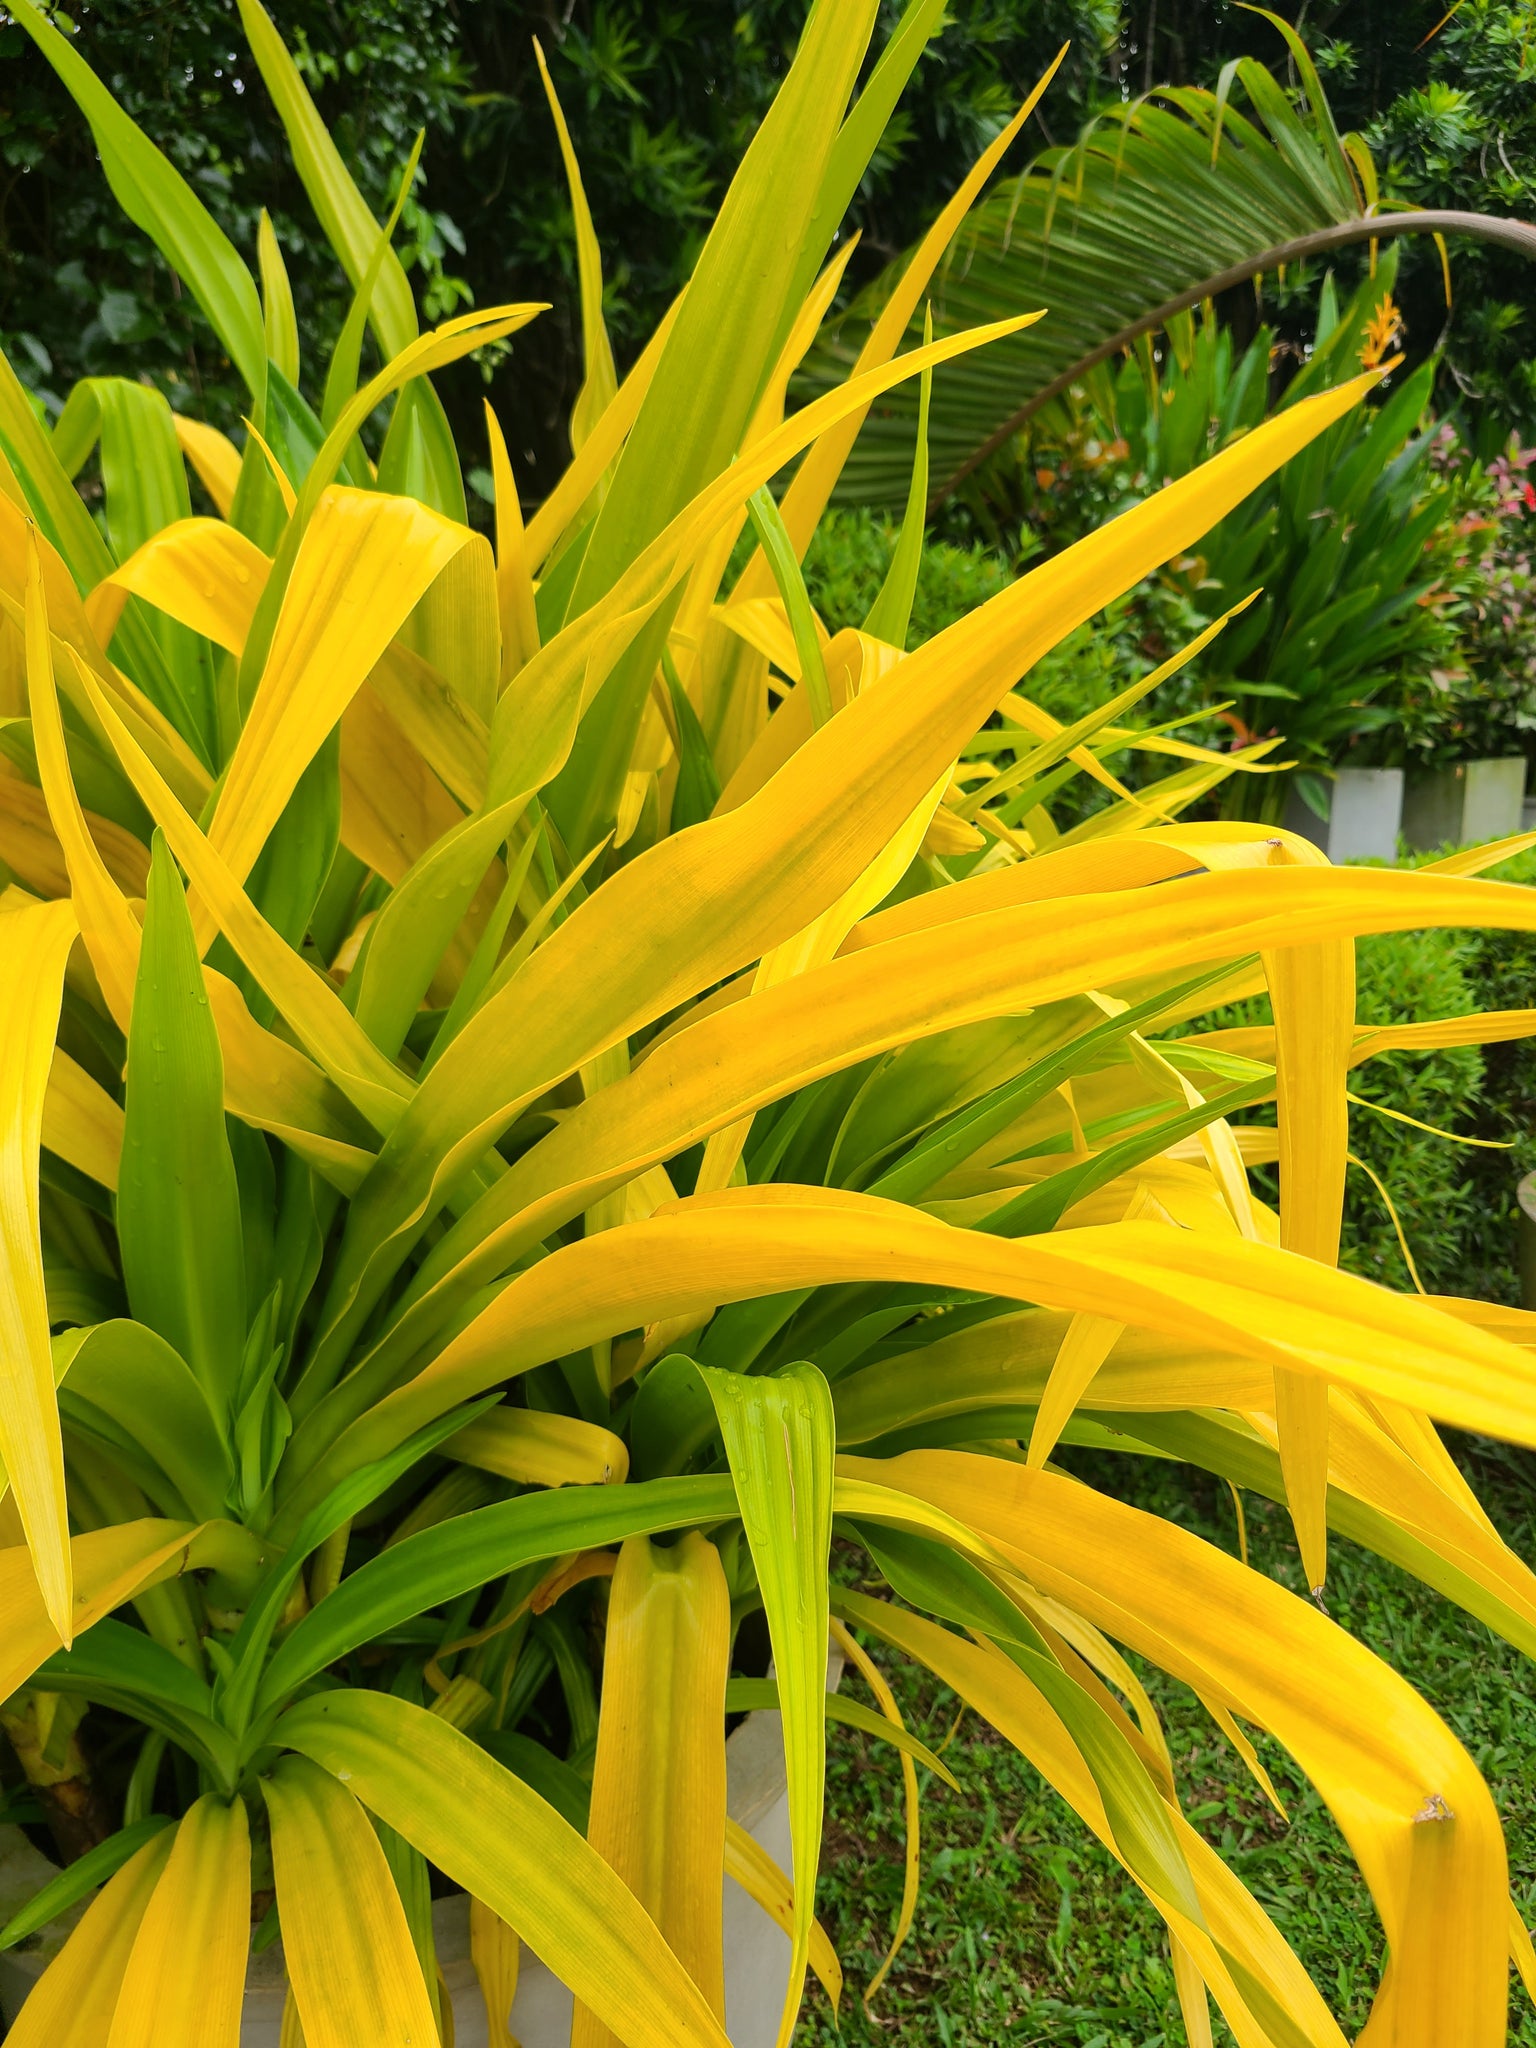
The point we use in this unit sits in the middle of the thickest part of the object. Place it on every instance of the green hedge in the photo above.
(1455, 1203)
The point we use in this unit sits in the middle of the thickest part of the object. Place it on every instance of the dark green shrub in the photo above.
(851, 551)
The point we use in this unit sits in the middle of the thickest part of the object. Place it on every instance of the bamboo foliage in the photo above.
(539, 1084)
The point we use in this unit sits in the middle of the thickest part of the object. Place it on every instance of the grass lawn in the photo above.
(1028, 1933)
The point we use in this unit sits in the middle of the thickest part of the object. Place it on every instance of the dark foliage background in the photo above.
(662, 96)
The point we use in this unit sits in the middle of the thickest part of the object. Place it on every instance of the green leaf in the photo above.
(82, 1876)
(779, 1441)
(1041, 1208)
(339, 207)
(412, 931)
(861, 134)
(178, 1204)
(951, 1142)
(353, 233)
(566, 1790)
(237, 1693)
(891, 613)
(129, 1671)
(158, 199)
(761, 1695)
(930, 1576)
(444, 1562)
(147, 1389)
(341, 377)
(698, 786)
(144, 485)
(50, 492)
(729, 329)
(790, 578)
(279, 322)
(290, 870)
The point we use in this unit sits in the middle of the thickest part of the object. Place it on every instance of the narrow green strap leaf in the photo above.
(249, 1648)
(341, 377)
(278, 317)
(698, 785)
(178, 1201)
(132, 1375)
(961, 1134)
(76, 429)
(340, 208)
(158, 199)
(954, 1588)
(779, 1441)
(1040, 1208)
(860, 135)
(776, 544)
(80, 1877)
(761, 1695)
(891, 613)
(46, 479)
(416, 925)
(441, 1563)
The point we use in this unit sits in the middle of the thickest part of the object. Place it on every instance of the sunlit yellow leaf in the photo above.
(1405, 1794)
(355, 1974)
(538, 1448)
(214, 456)
(72, 2003)
(201, 1907)
(34, 948)
(489, 1833)
(658, 1786)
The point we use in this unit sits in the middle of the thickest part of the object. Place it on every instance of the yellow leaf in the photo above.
(806, 499)
(581, 474)
(1312, 989)
(214, 456)
(362, 564)
(591, 984)
(748, 1864)
(536, 1448)
(1405, 1794)
(108, 1566)
(354, 1970)
(456, 627)
(201, 1907)
(1087, 1343)
(658, 1786)
(450, 735)
(514, 584)
(490, 1833)
(30, 848)
(1225, 1293)
(200, 571)
(108, 927)
(601, 382)
(394, 809)
(318, 1016)
(34, 950)
(1232, 1927)
(875, 1679)
(81, 1121)
(495, 1952)
(72, 2003)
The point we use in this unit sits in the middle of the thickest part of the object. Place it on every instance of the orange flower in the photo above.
(1382, 332)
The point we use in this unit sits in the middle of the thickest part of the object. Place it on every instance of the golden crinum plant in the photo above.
(536, 1083)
